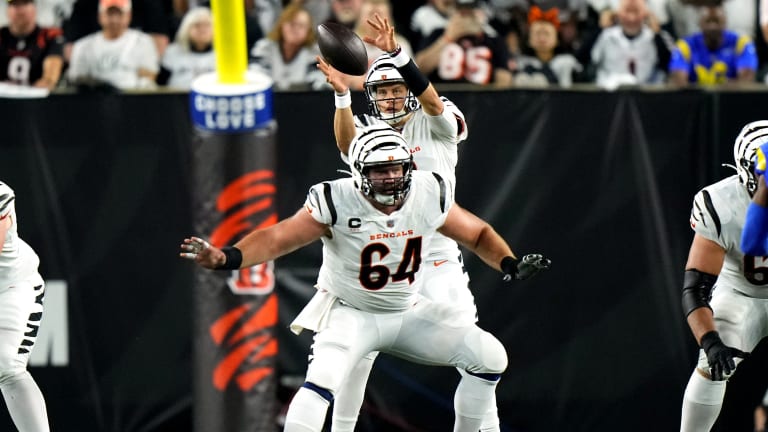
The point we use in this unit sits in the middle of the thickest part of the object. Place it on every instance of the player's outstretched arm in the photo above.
(258, 246)
(343, 118)
(478, 236)
(417, 83)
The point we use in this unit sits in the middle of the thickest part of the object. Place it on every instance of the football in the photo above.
(342, 48)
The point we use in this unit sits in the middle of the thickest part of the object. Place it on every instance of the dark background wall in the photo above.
(600, 182)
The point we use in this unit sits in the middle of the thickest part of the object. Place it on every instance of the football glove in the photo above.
(526, 268)
(760, 161)
(720, 356)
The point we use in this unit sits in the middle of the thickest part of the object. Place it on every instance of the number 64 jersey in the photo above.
(371, 260)
(718, 214)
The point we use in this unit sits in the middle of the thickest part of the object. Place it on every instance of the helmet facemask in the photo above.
(386, 191)
(378, 147)
(384, 73)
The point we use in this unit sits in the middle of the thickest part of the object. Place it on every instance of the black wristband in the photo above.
(709, 339)
(508, 265)
(234, 258)
(415, 80)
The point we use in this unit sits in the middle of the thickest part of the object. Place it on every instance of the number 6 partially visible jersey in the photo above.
(18, 261)
(372, 260)
(718, 214)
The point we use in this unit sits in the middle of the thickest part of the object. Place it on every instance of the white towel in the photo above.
(315, 314)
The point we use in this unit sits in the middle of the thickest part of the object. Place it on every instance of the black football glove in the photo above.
(720, 356)
(526, 268)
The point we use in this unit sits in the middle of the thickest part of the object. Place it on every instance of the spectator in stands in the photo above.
(607, 13)
(714, 55)
(152, 17)
(635, 51)
(191, 53)
(467, 50)
(346, 12)
(384, 9)
(29, 54)
(50, 13)
(429, 18)
(118, 56)
(319, 10)
(763, 34)
(288, 53)
(510, 16)
(542, 64)
(742, 15)
(255, 28)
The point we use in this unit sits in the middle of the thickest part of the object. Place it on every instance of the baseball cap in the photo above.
(123, 5)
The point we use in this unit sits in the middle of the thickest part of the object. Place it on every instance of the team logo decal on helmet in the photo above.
(751, 137)
(384, 72)
(375, 146)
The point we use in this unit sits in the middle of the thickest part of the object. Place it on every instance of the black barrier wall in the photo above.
(601, 182)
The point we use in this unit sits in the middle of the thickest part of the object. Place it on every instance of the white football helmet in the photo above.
(380, 145)
(383, 71)
(751, 137)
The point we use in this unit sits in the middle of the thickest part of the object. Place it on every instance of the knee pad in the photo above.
(491, 354)
(330, 364)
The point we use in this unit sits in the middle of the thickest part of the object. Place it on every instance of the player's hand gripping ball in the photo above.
(342, 49)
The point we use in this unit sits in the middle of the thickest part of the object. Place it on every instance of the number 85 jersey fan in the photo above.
(478, 56)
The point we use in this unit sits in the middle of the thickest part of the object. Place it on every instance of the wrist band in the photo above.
(415, 80)
(399, 57)
(508, 264)
(343, 100)
(234, 258)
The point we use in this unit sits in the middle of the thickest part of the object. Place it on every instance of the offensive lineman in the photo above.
(401, 96)
(734, 321)
(21, 308)
(375, 228)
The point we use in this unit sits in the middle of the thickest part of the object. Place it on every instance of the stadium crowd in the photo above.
(146, 44)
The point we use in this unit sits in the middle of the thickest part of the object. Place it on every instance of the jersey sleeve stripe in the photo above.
(698, 215)
(314, 198)
(442, 190)
(711, 210)
(329, 202)
(5, 201)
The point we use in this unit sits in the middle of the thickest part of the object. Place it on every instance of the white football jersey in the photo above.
(17, 260)
(615, 55)
(434, 144)
(718, 214)
(186, 65)
(372, 261)
(300, 71)
(116, 61)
